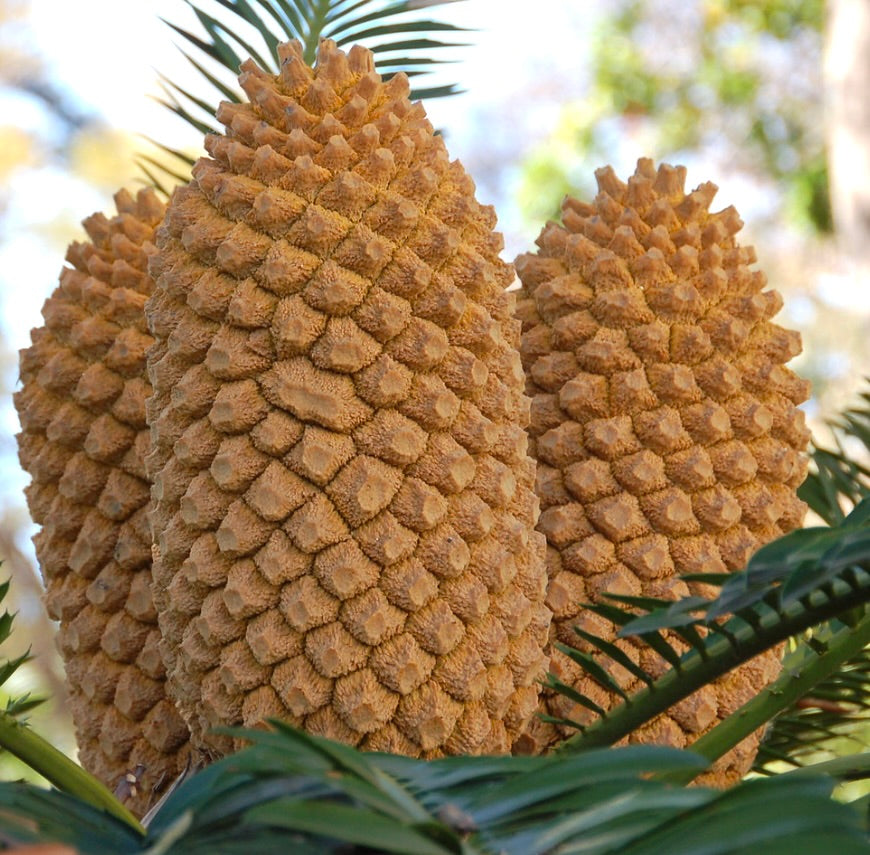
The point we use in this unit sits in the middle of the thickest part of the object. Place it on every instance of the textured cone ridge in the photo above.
(343, 502)
(84, 440)
(664, 424)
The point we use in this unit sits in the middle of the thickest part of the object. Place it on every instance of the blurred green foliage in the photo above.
(737, 79)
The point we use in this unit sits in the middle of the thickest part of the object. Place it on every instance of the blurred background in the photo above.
(766, 99)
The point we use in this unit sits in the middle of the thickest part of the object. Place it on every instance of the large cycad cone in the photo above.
(84, 440)
(344, 507)
(665, 426)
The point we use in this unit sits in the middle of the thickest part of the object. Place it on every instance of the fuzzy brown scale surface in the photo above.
(83, 441)
(343, 500)
(663, 420)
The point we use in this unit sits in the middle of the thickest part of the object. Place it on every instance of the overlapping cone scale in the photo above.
(83, 441)
(343, 501)
(663, 420)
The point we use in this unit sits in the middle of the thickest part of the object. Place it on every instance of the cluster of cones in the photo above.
(297, 452)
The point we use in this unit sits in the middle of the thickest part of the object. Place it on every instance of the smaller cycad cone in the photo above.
(664, 422)
(343, 500)
(83, 441)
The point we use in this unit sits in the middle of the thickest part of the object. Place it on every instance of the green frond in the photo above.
(236, 30)
(38, 754)
(802, 581)
(15, 706)
(294, 792)
(838, 480)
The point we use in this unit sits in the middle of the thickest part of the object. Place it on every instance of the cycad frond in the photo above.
(291, 791)
(35, 752)
(15, 707)
(240, 29)
(838, 476)
(836, 712)
(796, 583)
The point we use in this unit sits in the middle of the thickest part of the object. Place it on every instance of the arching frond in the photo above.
(801, 581)
(400, 35)
(291, 791)
(839, 477)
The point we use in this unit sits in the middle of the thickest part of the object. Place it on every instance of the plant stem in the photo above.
(791, 686)
(59, 770)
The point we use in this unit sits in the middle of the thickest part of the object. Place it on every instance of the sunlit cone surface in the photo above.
(83, 440)
(344, 506)
(664, 422)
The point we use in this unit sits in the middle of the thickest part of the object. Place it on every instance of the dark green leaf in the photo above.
(207, 48)
(359, 34)
(572, 694)
(421, 94)
(349, 824)
(616, 654)
(29, 814)
(411, 44)
(168, 84)
(341, 11)
(566, 774)
(777, 559)
(247, 13)
(212, 26)
(752, 818)
(406, 62)
(676, 614)
(173, 105)
(592, 668)
(859, 516)
(852, 546)
(224, 90)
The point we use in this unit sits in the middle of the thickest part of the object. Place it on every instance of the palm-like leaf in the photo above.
(238, 29)
(294, 792)
(839, 477)
(34, 751)
(796, 583)
(16, 707)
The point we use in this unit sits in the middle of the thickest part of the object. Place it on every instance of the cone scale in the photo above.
(664, 423)
(83, 441)
(343, 504)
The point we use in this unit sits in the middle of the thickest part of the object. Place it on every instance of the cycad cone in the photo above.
(343, 502)
(83, 440)
(665, 426)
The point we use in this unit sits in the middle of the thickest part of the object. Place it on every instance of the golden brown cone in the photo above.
(83, 441)
(343, 501)
(664, 423)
